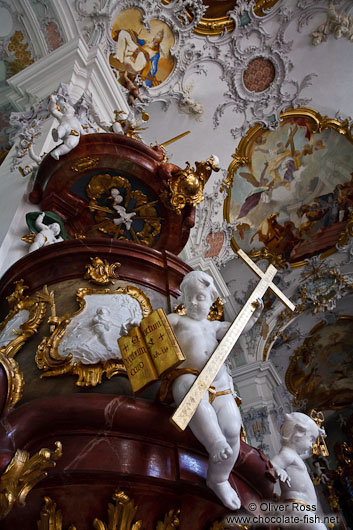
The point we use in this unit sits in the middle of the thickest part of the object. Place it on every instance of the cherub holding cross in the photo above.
(202, 388)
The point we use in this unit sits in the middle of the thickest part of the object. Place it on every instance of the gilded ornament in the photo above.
(84, 163)
(52, 364)
(170, 522)
(319, 447)
(186, 186)
(15, 380)
(22, 474)
(50, 517)
(117, 218)
(101, 272)
(27, 313)
(120, 515)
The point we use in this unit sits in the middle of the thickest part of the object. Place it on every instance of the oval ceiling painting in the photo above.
(291, 189)
(141, 52)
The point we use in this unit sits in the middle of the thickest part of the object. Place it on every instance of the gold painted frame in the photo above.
(241, 158)
(17, 302)
(52, 363)
(37, 308)
(217, 25)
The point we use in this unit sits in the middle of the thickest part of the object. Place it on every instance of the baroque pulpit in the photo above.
(77, 446)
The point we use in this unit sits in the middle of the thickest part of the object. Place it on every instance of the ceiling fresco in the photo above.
(139, 51)
(291, 190)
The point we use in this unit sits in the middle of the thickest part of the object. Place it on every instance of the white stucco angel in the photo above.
(124, 217)
(216, 422)
(47, 234)
(69, 129)
(299, 433)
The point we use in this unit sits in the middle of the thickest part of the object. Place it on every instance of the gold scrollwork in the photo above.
(186, 186)
(18, 302)
(101, 272)
(22, 474)
(100, 187)
(15, 380)
(120, 515)
(86, 162)
(217, 25)
(52, 363)
(317, 124)
(50, 517)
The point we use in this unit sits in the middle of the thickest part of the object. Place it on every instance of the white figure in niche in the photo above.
(299, 433)
(124, 217)
(100, 325)
(216, 422)
(69, 129)
(47, 234)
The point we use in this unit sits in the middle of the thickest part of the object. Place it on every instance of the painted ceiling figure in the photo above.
(139, 56)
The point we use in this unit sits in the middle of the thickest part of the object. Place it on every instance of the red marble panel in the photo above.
(159, 270)
(114, 154)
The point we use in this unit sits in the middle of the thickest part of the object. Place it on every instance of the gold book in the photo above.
(150, 350)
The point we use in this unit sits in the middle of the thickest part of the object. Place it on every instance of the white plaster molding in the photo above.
(66, 18)
(81, 68)
(257, 380)
(30, 22)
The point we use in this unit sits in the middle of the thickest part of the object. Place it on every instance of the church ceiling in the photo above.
(218, 68)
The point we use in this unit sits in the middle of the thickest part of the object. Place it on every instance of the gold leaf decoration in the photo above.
(22, 474)
(187, 185)
(120, 515)
(101, 272)
(15, 380)
(17, 302)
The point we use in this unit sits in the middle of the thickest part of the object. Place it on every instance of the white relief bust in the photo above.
(92, 335)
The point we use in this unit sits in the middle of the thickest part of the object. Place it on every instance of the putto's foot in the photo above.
(225, 493)
(55, 155)
(221, 450)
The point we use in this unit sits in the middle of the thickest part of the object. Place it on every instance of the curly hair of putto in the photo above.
(194, 277)
(299, 424)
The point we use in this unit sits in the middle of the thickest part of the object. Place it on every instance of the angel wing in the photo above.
(250, 178)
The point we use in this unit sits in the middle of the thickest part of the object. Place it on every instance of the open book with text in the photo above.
(149, 350)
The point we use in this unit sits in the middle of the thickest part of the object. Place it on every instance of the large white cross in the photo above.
(204, 380)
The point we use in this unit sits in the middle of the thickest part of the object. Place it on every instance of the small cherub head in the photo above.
(300, 432)
(102, 311)
(55, 228)
(198, 294)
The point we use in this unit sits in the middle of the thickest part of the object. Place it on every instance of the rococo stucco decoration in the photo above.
(229, 51)
(84, 343)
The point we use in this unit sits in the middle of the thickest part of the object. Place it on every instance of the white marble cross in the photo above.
(204, 380)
